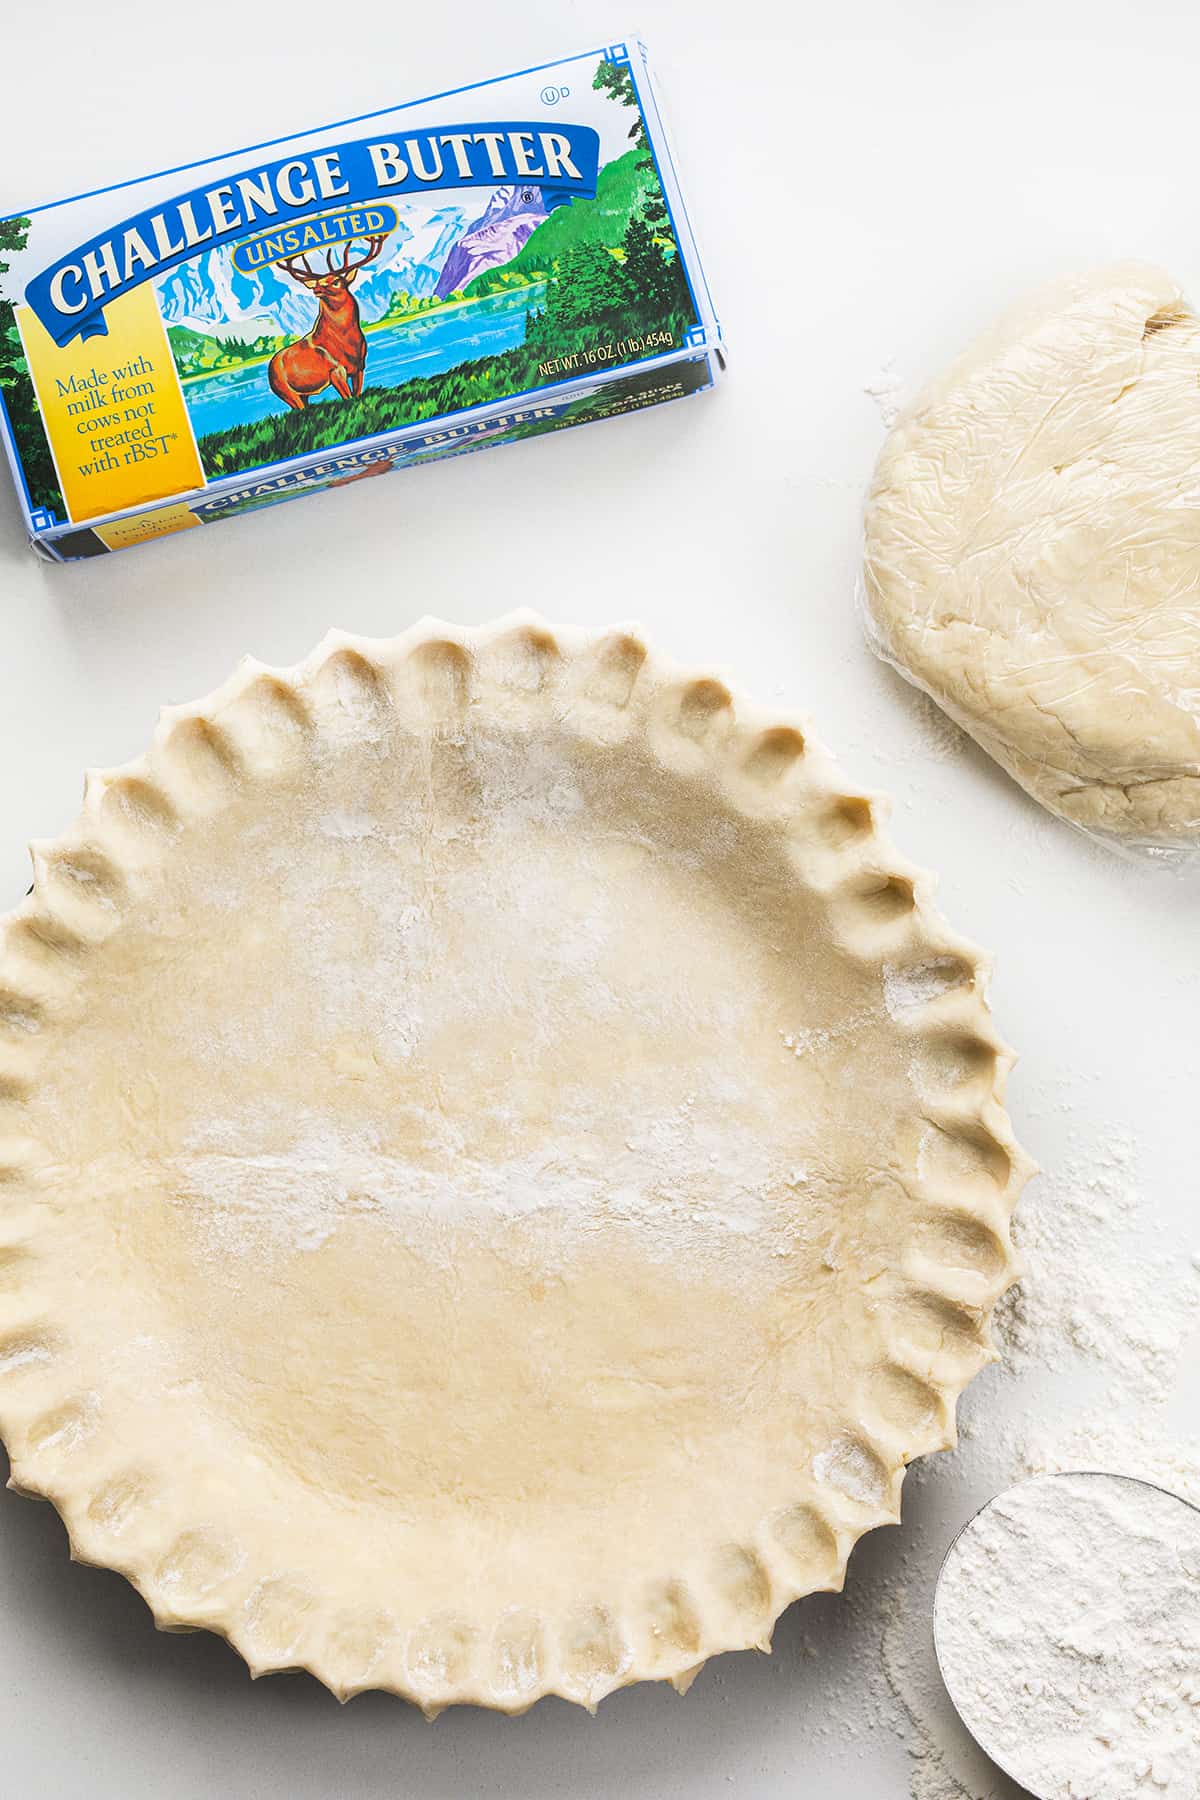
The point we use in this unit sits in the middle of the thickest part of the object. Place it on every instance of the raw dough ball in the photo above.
(1033, 551)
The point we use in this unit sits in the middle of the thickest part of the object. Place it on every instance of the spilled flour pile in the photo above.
(1117, 1321)
(1091, 1288)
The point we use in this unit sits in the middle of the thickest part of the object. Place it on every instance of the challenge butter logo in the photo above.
(69, 297)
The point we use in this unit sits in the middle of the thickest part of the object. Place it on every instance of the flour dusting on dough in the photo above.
(480, 956)
(911, 985)
(848, 1467)
(679, 1184)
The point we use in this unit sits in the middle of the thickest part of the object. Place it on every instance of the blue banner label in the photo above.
(70, 296)
(312, 234)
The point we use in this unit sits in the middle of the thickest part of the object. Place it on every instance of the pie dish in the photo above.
(503, 1168)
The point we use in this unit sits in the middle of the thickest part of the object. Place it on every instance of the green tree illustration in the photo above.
(616, 80)
(589, 286)
(646, 269)
(19, 397)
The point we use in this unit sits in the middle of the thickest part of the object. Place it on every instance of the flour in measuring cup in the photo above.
(1069, 1634)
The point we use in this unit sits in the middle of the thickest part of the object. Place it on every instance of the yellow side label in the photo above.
(123, 532)
(114, 410)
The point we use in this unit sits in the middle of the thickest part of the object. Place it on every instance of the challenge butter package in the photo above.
(486, 265)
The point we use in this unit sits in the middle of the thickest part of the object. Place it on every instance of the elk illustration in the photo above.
(334, 352)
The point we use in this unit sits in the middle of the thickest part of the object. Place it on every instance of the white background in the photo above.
(870, 183)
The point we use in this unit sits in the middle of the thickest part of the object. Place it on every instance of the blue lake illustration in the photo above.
(427, 345)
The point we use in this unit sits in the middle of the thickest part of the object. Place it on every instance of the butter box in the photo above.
(477, 267)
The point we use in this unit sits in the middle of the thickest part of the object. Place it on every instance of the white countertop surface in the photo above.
(870, 184)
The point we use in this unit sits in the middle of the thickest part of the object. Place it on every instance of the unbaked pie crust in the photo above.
(503, 1166)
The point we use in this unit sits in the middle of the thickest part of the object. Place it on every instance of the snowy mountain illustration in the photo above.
(503, 228)
(208, 295)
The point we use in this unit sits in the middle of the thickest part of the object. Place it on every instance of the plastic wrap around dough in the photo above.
(1033, 553)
